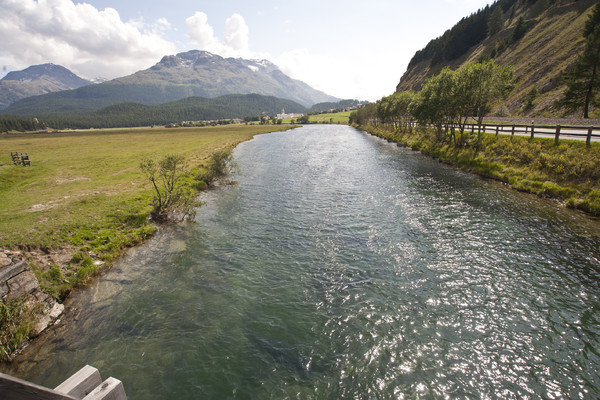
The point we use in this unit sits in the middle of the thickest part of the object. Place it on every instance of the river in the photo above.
(344, 266)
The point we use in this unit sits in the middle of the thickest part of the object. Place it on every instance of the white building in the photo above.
(283, 115)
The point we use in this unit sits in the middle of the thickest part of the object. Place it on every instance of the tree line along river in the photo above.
(343, 266)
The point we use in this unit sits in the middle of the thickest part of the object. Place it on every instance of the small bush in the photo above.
(219, 165)
(173, 200)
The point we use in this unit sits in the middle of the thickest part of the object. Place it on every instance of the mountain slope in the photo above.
(37, 80)
(194, 73)
(540, 48)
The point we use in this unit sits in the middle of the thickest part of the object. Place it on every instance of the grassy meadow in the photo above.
(335, 118)
(327, 118)
(84, 199)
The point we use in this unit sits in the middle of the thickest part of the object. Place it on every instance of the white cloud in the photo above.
(200, 31)
(158, 27)
(236, 33)
(162, 24)
(363, 80)
(235, 42)
(79, 36)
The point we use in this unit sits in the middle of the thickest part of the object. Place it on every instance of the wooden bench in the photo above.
(25, 159)
(22, 159)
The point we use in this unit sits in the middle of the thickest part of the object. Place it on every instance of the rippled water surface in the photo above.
(342, 266)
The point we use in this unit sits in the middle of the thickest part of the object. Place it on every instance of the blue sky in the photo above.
(349, 49)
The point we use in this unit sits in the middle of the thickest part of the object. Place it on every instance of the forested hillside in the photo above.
(135, 114)
(539, 39)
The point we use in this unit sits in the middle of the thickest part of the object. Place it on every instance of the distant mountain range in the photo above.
(37, 80)
(193, 73)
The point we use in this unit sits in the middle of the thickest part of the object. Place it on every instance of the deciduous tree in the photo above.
(448, 99)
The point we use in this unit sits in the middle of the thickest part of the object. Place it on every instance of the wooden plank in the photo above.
(82, 383)
(110, 389)
(12, 388)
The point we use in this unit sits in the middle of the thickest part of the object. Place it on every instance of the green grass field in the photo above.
(335, 118)
(85, 190)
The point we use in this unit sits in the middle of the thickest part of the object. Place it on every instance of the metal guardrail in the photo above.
(589, 133)
(571, 131)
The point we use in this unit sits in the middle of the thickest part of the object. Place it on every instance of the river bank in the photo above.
(569, 172)
(344, 266)
(72, 214)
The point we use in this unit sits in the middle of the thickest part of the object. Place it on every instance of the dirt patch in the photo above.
(54, 203)
(42, 207)
(46, 206)
(70, 180)
(45, 258)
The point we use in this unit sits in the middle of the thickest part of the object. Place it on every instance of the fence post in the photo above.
(497, 126)
(556, 136)
(513, 130)
(588, 140)
(532, 129)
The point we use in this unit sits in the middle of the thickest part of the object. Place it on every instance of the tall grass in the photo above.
(15, 321)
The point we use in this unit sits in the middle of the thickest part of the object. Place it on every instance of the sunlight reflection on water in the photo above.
(342, 266)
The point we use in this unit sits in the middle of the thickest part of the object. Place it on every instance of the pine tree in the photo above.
(496, 21)
(583, 80)
(520, 29)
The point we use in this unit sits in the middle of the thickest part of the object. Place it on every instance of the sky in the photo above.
(349, 49)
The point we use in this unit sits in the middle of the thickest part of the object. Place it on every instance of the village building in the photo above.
(283, 115)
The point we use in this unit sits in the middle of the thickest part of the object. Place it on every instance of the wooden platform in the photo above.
(86, 384)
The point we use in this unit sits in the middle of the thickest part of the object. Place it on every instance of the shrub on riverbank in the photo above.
(173, 199)
(569, 172)
(218, 165)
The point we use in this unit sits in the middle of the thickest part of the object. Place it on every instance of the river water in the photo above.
(343, 266)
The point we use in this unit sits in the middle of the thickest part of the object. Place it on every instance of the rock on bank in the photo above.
(18, 282)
